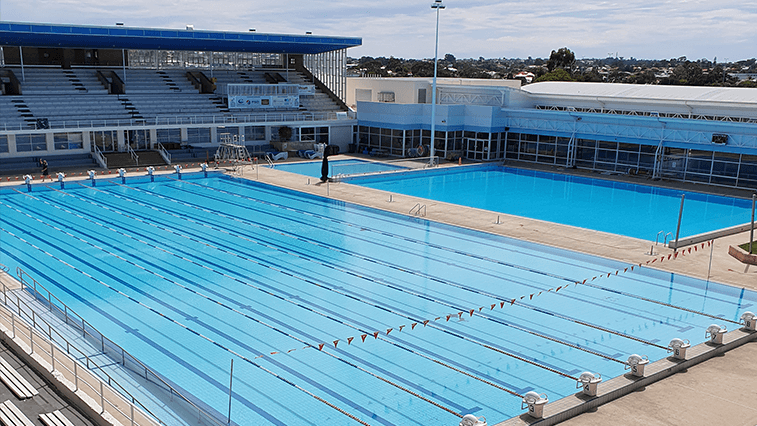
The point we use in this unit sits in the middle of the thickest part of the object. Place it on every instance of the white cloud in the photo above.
(468, 28)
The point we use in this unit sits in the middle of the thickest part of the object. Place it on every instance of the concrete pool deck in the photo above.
(716, 391)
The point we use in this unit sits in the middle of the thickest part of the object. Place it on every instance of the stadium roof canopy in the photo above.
(639, 92)
(119, 37)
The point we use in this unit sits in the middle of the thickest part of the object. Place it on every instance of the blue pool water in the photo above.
(336, 167)
(639, 211)
(187, 275)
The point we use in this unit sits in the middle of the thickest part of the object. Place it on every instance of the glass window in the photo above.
(726, 156)
(254, 133)
(606, 156)
(725, 169)
(385, 97)
(3, 143)
(198, 135)
(166, 136)
(68, 141)
(29, 143)
(322, 135)
(307, 134)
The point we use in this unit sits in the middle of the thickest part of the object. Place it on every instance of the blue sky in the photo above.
(468, 28)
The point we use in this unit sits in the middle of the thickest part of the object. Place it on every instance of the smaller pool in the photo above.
(633, 210)
(338, 167)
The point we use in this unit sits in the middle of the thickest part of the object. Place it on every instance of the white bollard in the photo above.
(471, 420)
(588, 383)
(749, 320)
(535, 403)
(637, 363)
(679, 347)
(715, 333)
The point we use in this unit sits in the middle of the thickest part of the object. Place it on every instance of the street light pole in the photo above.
(438, 5)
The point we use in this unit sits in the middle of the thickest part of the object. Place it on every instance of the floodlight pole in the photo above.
(437, 4)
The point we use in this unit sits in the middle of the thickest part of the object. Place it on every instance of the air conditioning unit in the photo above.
(719, 138)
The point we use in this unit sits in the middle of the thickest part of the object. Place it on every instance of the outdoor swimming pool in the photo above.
(335, 313)
(337, 167)
(638, 211)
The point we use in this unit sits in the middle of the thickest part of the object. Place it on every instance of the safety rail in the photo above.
(100, 158)
(107, 346)
(133, 154)
(164, 153)
(76, 373)
(418, 210)
(182, 120)
(270, 162)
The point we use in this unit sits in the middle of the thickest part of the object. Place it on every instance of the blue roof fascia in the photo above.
(91, 37)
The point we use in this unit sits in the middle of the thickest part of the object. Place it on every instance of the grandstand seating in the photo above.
(11, 117)
(76, 96)
(58, 98)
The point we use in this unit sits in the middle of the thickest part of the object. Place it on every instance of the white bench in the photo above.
(10, 415)
(56, 418)
(15, 382)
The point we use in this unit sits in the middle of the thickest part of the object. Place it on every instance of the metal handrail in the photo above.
(133, 154)
(164, 153)
(101, 159)
(418, 210)
(657, 238)
(69, 346)
(66, 311)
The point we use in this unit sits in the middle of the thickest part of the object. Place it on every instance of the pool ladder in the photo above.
(418, 210)
(657, 240)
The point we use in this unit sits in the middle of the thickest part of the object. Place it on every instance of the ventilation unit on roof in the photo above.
(719, 138)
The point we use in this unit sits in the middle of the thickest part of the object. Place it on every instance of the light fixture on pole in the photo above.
(438, 5)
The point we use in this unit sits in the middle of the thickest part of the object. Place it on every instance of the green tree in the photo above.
(556, 75)
(422, 69)
(646, 77)
(562, 58)
(591, 76)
